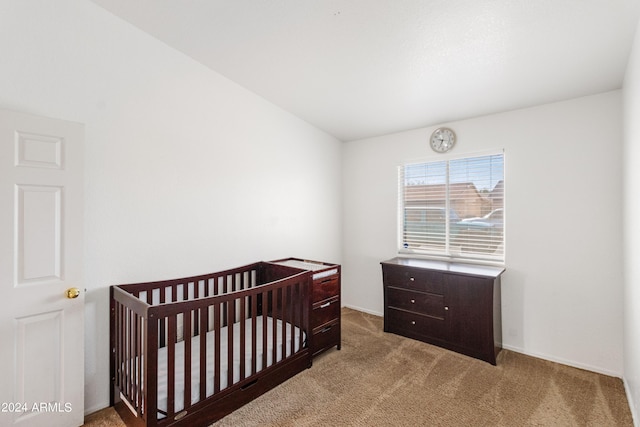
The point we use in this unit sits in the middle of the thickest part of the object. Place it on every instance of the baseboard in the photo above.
(364, 310)
(96, 408)
(562, 361)
(634, 414)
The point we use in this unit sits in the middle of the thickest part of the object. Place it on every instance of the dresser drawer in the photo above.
(419, 302)
(326, 336)
(325, 311)
(414, 325)
(325, 288)
(414, 279)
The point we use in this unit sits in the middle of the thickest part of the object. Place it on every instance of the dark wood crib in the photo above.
(190, 351)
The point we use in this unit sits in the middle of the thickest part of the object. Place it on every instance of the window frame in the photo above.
(447, 254)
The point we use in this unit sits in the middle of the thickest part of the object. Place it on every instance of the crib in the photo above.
(190, 351)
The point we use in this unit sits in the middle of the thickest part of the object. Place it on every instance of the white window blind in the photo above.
(453, 208)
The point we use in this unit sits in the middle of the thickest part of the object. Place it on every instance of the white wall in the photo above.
(632, 230)
(186, 172)
(562, 299)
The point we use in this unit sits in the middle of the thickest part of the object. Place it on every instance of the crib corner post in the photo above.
(306, 311)
(112, 346)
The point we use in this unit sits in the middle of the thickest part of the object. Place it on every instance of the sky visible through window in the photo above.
(484, 172)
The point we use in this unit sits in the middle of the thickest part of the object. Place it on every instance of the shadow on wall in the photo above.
(513, 285)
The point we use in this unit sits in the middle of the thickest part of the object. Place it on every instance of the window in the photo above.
(453, 208)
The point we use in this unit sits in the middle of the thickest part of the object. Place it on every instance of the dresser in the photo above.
(325, 303)
(451, 305)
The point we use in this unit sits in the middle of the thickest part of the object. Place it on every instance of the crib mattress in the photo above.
(224, 366)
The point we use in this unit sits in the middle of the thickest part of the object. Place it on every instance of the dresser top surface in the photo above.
(305, 264)
(451, 267)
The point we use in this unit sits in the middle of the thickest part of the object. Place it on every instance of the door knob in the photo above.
(72, 293)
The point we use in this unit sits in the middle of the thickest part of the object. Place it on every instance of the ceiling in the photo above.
(361, 68)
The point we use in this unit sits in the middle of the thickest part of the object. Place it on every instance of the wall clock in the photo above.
(442, 140)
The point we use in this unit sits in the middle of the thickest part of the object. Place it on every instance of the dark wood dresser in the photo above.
(451, 305)
(325, 303)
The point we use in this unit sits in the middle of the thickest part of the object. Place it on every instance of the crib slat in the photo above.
(127, 337)
(138, 361)
(301, 311)
(274, 324)
(224, 305)
(187, 358)
(292, 319)
(162, 332)
(129, 333)
(231, 312)
(264, 331)
(196, 295)
(216, 366)
(171, 363)
(121, 347)
(243, 333)
(294, 316)
(150, 349)
(124, 350)
(204, 320)
(284, 323)
(130, 354)
(254, 333)
(290, 323)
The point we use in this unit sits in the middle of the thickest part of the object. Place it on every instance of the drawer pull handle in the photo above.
(327, 329)
(325, 305)
(412, 279)
(446, 308)
(246, 386)
(413, 322)
(413, 301)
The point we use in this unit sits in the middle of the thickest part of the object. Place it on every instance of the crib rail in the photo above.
(173, 319)
(212, 284)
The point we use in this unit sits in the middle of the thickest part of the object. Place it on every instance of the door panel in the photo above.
(470, 301)
(41, 256)
(38, 231)
(39, 380)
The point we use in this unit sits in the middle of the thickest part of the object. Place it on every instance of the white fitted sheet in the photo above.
(210, 366)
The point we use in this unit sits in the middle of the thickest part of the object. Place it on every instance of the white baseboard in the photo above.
(634, 414)
(95, 408)
(562, 361)
(364, 310)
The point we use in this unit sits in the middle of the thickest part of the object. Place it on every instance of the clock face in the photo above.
(442, 140)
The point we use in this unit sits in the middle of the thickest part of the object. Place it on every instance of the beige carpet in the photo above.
(380, 379)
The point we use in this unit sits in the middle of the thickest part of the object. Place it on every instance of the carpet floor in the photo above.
(380, 379)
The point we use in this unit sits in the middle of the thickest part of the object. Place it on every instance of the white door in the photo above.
(41, 225)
